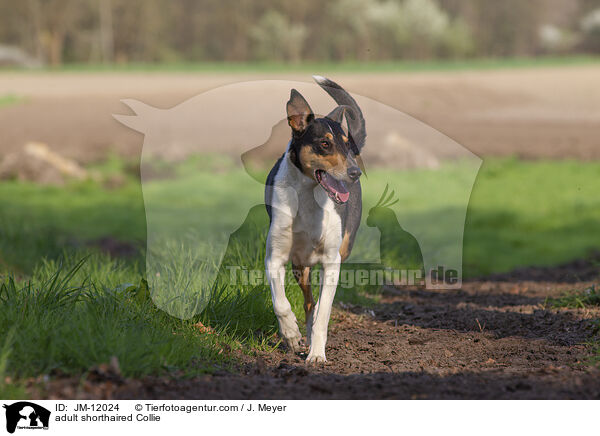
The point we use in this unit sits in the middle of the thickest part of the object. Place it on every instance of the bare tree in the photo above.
(106, 30)
(58, 31)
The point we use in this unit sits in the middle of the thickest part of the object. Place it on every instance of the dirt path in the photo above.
(533, 113)
(489, 340)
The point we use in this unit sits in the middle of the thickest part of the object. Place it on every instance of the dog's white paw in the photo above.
(290, 332)
(315, 357)
(293, 343)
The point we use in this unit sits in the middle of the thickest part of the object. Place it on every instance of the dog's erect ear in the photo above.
(299, 113)
(337, 114)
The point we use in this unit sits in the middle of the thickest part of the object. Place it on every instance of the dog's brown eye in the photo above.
(324, 144)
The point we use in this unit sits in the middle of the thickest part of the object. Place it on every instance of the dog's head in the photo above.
(321, 148)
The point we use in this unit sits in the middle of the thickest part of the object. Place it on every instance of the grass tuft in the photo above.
(63, 325)
(9, 99)
(580, 299)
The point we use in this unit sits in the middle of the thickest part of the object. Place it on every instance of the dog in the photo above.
(314, 202)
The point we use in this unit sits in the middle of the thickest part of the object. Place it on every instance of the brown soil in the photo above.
(578, 270)
(488, 340)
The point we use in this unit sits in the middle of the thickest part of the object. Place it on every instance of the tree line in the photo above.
(123, 31)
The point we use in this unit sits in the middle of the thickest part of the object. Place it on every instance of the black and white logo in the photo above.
(26, 415)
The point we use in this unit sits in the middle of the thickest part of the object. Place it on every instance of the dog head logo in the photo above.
(203, 168)
(26, 415)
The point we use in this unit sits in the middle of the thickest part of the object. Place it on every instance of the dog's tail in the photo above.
(356, 121)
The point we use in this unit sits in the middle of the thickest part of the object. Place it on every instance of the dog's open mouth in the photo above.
(335, 188)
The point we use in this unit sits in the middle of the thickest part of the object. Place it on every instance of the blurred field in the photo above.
(520, 213)
(551, 112)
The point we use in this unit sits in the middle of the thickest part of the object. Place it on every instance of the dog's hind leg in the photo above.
(302, 275)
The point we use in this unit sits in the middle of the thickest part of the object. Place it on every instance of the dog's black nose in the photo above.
(354, 173)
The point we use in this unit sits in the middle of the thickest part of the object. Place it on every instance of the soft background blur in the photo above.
(56, 32)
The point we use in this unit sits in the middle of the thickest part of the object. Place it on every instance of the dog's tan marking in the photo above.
(345, 138)
(333, 160)
(329, 136)
(308, 159)
(302, 275)
(311, 161)
(298, 122)
(345, 247)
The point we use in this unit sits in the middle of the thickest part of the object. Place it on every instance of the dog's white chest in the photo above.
(304, 218)
(316, 229)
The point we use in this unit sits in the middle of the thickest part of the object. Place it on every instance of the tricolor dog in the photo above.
(313, 199)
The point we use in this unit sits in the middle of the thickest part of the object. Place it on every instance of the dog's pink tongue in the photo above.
(343, 196)
(338, 188)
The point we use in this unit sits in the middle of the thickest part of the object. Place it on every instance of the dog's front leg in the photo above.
(318, 338)
(276, 257)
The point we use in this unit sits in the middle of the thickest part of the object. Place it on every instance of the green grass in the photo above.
(340, 67)
(583, 299)
(521, 213)
(531, 213)
(10, 99)
(579, 299)
(81, 313)
(41, 221)
(65, 324)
